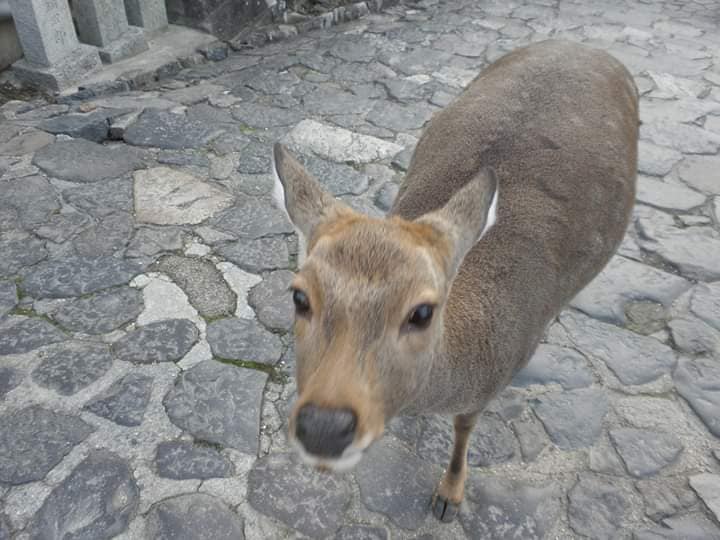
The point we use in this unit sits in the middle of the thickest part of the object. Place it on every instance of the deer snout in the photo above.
(325, 432)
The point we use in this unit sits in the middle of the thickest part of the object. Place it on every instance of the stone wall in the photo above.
(222, 18)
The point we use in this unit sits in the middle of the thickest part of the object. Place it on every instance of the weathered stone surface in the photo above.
(254, 156)
(336, 178)
(707, 486)
(656, 160)
(507, 509)
(280, 487)
(96, 501)
(664, 195)
(16, 193)
(597, 507)
(165, 196)
(272, 301)
(102, 312)
(73, 365)
(62, 226)
(85, 161)
(27, 142)
(685, 138)
(22, 334)
(700, 172)
(396, 483)
(124, 402)
(19, 251)
(106, 237)
(40, 439)
(531, 435)
(338, 144)
(361, 532)
(8, 297)
(102, 198)
(553, 364)
(93, 126)
(645, 452)
(9, 379)
(623, 281)
(492, 441)
(164, 129)
(190, 95)
(253, 218)
(698, 381)
(694, 526)
(665, 497)
(202, 282)
(219, 403)
(192, 516)
(262, 116)
(243, 339)
(386, 195)
(76, 276)
(161, 341)
(573, 419)
(633, 358)
(399, 117)
(182, 460)
(705, 303)
(694, 336)
(148, 242)
(259, 255)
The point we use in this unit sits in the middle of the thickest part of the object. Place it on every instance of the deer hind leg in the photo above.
(450, 491)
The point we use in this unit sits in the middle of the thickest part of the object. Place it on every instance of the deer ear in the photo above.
(301, 195)
(467, 216)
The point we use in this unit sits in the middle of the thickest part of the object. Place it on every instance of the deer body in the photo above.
(518, 194)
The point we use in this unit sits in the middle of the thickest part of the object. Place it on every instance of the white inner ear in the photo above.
(492, 214)
(278, 196)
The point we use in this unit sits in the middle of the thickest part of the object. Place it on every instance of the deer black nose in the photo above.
(325, 432)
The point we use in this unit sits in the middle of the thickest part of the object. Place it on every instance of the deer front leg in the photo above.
(450, 491)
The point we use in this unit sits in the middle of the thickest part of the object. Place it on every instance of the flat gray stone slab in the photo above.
(8, 297)
(219, 403)
(259, 255)
(700, 172)
(19, 250)
(386, 196)
(93, 126)
(182, 460)
(193, 516)
(148, 242)
(698, 381)
(20, 334)
(573, 419)
(253, 218)
(397, 484)
(10, 378)
(71, 366)
(164, 196)
(262, 116)
(693, 526)
(17, 193)
(282, 488)
(272, 301)
(707, 486)
(645, 452)
(84, 161)
(202, 282)
(554, 364)
(656, 160)
(245, 340)
(161, 341)
(102, 312)
(633, 358)
(163, 129)
(26, 142)
(664, 497)
(101, 198)
(623, 281)
(361, 532)
(96, 501)
(125, 401)
(505, 509)
(705, 303)
(597, 507)
(77, 276)
(665, 195)
(694, 336)
(41, 439)
(338, 179)
(689, 139)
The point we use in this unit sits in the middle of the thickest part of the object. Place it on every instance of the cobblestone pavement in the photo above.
(145, 360)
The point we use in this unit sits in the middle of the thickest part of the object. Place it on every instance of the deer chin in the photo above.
(350, 457)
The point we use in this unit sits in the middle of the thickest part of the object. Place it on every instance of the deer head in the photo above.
(369, 300)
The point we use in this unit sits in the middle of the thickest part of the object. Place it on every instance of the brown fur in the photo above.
(558, 124)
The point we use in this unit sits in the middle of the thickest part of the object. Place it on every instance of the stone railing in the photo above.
(57, 56)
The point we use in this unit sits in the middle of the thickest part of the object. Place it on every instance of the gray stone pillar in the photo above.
(54, 59)
(103, 23)
(148, 14)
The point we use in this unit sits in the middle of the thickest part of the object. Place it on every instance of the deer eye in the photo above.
(301, 301)
(421, 316)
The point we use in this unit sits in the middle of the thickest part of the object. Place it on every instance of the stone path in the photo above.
(145, 361)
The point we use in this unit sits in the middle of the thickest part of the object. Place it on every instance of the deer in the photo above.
(517, 195)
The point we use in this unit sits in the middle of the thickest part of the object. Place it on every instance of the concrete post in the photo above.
(103, 23)
(54, 59)
(148, 14)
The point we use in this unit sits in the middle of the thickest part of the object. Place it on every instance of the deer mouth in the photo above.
(349, 458)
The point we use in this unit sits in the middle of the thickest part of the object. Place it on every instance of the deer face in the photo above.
(369, 301)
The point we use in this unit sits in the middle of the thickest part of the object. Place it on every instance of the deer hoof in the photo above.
(444, 509)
